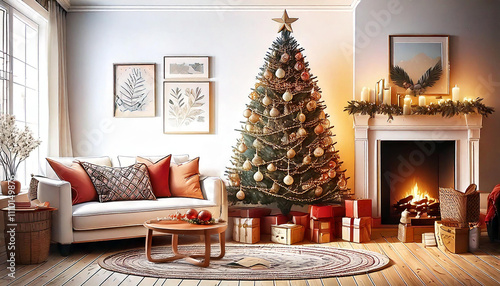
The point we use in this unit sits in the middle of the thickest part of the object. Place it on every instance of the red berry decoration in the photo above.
(304, 75)
(204, 215)
(191, 214)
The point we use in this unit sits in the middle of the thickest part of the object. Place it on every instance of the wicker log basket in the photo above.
(459, 209)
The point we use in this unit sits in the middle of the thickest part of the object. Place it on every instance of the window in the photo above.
(19, 78)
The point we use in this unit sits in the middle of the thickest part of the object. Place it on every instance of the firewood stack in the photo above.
(418, 208)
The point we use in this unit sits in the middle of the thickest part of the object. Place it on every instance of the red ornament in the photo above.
(204, 215)
(298, 56)
(304, 75)
(324, 176)
(299, 66)
(191, 214)
(332, 164)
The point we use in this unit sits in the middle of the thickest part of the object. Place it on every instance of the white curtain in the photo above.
(59, 128)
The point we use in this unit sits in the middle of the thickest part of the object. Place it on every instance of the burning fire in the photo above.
(419, 195)
(418, 202)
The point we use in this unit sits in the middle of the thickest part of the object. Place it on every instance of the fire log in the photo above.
(405, 200)
(422, 201)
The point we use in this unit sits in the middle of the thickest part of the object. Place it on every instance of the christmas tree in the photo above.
(286, 153)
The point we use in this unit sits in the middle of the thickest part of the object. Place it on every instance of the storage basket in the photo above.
(32, 230)
(459, 208)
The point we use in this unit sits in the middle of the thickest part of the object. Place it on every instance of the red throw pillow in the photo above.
(82, 189)
(159, 175)
(185, 180)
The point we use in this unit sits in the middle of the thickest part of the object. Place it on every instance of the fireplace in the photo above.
(411, 173)
(453, 163)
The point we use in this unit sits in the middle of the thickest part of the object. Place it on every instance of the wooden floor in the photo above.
(411, 264)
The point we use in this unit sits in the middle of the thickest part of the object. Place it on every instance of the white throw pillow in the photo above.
(126, 161)
(67, 161)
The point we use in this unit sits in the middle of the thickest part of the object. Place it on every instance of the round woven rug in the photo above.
(287, 262)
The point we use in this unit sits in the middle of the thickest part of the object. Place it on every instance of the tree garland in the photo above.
(447, 108)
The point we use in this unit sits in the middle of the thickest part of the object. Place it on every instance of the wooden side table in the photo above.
(181, 227)
(27, 234)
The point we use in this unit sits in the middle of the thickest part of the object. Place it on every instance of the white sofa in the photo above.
(95, 221)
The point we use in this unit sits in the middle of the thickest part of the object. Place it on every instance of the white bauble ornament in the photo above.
(240, 195)
(271, 167)
(280, 73)
(274, 112)
(301, 132)
(301, 117)
(318, 152)
(254, 118)
(247, 166)
(311, 105)
(284, 58)
(247, 113)
(307, 160)
(242, 147)
(249, 127)
(318, 191)
(332, 173)
(258, 176)
(288, 180)
(290, 154)
(267, 100)
(257, 144)
(257, 160)
(319, 129)
(325, 123)
(287, 96)
(275, 188)
(322, 115)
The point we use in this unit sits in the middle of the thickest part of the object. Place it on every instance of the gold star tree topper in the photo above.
(286, 22)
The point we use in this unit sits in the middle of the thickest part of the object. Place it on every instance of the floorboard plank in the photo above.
(147, 281)
(360, 279)
(98, 277)
(114, 279)
(209, 282)
(264, 283)
(314, 282)
(298, 283)
(76, 268)
(132, 280)
(376, 277)
(229, 283)
(330, 281)
(31, 272)
(163, 281)
(246, 283)
(491, 260)
(485, 268)
(281, 283)
(85, 273)
(390, 273)
(451, 267)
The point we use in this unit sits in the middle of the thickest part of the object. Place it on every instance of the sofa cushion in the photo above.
(185, 180)
(95, 215)
(68, 161)
(159, 175)
(115, 184)
(125, 161)
(82, 189)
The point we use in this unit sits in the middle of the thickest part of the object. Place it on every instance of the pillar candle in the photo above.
(421, 101)
(407, 105)
(455, 93)
(365, 94)
(387, 96)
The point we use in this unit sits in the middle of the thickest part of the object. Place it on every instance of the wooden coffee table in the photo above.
(181, 227)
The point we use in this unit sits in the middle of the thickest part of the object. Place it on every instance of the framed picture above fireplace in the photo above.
(419, 64)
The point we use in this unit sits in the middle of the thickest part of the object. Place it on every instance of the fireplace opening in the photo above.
(411, 173)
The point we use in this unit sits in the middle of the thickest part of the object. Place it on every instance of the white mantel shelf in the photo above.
(369, 132)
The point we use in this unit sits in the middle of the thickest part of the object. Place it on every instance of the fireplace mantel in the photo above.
(368, 132)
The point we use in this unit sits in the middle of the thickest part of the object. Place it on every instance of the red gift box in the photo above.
(338, 210)
(268, 221)
(357, 229)
(358, 208)
(320, 211)
(254, 212)
(338, 227)
(320, 223)
(319, 235)
(300, 218)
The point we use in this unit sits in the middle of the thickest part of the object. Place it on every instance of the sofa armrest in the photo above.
(214, 190)
(58, 194)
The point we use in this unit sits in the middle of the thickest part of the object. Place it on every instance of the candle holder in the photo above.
(379, 91)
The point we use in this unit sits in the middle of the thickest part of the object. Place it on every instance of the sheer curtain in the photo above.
(59, 128)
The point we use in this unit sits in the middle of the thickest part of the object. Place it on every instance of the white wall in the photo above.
(473, 27)
(236, 41)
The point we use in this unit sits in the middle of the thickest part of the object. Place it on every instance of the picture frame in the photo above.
(417, 54)
(186, 107)
(134, 90)
(186, 68)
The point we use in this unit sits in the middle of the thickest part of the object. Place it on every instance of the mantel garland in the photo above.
(447, 108)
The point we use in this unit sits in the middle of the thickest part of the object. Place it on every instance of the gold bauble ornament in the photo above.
(319, 129)
(254, 118)
(268, 74)
(280, 73)
(342, 183)
(275, 188)
(288, 180)
(290, 154)
(307, 160)
(247, 166)
(242, 147)
(267, 100)
(301, 117)
(258, 176)
(254, 96)
(301, 132)
(284, 58)
(332, 173)
(234, 177)
(271, 167)
(322, 115)
(257, 160)
(274, 112)
(240, 195)
(235, 183)
(287, 96)
(311, 105)
(325, 123)
(327, 141)
(257, 144)
(318, 191)
(315, 95)
(318, 152)
(249, 127)
(247, 113)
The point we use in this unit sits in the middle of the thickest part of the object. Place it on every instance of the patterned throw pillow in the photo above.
(120, 184)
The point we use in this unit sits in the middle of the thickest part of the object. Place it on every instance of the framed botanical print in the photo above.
(134, 90)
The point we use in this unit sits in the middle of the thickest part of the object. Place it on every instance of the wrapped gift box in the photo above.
(254, 212)
(320, 223)
(453, 239)
(358, 208)
(300, 218)
(246, 230)
(429, 239)
(320, 211)
(287, 233)
(474, 236)
(337, 229)
(338, 210)
(357, 229)
(405, 232)
(319, 235)
(270, 220)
